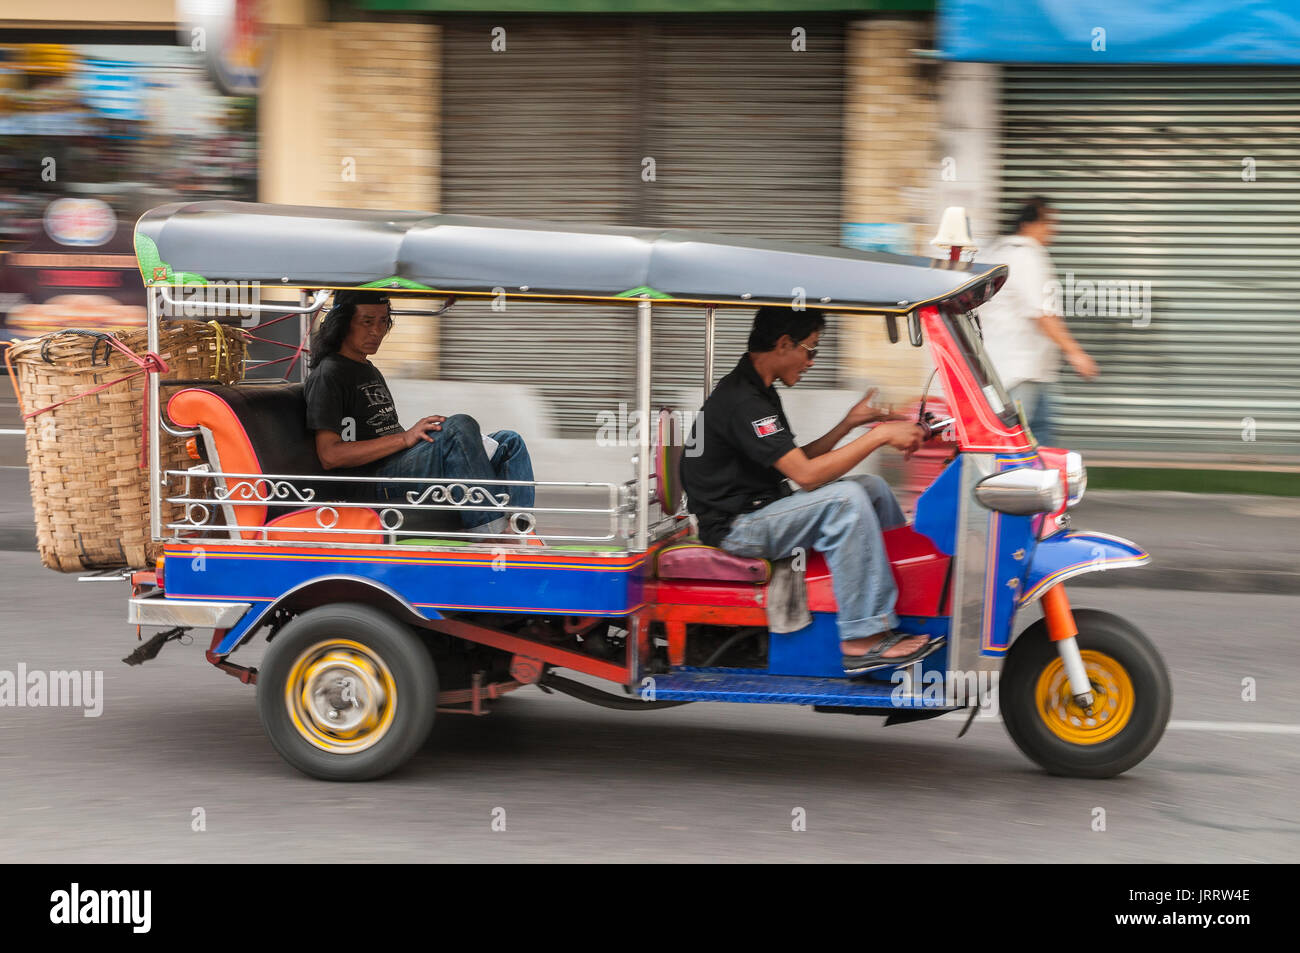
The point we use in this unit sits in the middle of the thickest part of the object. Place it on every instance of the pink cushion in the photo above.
(702, 563)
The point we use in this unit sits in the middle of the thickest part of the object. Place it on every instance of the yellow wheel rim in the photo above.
(340, 696)
(1112, 691)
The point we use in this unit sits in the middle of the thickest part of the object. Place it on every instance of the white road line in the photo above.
(1260, 727)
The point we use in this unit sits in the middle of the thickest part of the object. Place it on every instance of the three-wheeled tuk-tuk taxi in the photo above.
(381, 616)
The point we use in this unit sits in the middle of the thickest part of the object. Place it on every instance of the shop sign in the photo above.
(81, 222)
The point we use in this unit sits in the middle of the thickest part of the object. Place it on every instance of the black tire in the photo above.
(338, 654)
(1031, 725)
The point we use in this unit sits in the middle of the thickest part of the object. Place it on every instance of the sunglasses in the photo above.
(812, 351)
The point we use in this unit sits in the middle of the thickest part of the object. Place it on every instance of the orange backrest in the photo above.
(233, 451)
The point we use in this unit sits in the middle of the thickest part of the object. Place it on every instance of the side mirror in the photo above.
(1023, 491)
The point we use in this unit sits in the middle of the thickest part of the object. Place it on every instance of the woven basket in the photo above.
(90, 493)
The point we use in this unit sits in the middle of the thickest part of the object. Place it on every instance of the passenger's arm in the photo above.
(336, 453)
(812, 472)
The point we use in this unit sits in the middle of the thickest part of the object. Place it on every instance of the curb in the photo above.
(1268, 581)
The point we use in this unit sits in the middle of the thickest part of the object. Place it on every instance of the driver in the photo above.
(736, 486)
(353, 415)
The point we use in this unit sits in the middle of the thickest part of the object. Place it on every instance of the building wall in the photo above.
(892, 164)
(350, 118)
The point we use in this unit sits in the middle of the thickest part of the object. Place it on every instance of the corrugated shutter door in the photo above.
(1145, 166)
(745, 138)
(541, 131)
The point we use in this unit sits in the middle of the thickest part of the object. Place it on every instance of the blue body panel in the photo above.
(515, 581)
(815, 649)
(1072, 553)
(1009, 550)
(936, 509)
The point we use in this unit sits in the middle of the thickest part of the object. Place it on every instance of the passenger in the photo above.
(357, 431)
(736, 486)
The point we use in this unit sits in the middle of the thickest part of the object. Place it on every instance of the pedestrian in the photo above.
(1024, 333)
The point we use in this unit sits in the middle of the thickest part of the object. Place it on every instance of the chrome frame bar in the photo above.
(710, 323)
(310, 308)
(643, 326)
(155, 416)
(291, 496)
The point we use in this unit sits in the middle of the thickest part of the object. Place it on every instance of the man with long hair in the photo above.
(736, 486)
(351, 410)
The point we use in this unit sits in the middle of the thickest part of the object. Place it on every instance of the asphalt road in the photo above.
(699, 783)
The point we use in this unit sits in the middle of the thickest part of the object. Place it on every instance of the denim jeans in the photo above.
(843, 520)
(1040, 409)
(457, 452)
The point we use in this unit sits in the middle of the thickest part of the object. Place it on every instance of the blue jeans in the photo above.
(842, 520)
(457, 452)
(1040, 409)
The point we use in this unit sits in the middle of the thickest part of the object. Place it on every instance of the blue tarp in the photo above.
(1121, 31)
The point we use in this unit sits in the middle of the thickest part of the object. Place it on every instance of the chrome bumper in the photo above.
(156, 609)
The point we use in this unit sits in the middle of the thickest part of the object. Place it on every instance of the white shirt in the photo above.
(1020, 351)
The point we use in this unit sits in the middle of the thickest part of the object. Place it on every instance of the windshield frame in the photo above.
(968, 334)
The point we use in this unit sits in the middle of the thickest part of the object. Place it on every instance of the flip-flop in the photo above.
(872, 661)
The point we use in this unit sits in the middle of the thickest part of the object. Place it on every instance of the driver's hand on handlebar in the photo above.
(902, 435)
(865, 411)
(421, 429)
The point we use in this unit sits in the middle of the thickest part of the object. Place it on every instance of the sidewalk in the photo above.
(1210, 542)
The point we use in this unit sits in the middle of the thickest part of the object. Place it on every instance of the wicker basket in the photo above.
(90, 493)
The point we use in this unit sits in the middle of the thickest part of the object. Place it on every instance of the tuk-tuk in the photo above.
(382, 616)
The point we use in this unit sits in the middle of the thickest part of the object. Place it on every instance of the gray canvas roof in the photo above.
(300, 246)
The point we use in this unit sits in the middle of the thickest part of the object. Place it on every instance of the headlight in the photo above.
(1022, 491)
(1076, 478)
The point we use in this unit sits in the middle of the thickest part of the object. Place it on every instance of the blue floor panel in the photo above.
(737, 685)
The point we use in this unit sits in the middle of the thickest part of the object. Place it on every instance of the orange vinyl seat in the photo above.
(259, 429)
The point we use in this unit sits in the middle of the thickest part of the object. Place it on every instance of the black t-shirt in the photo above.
(745, 431)
(352, 399)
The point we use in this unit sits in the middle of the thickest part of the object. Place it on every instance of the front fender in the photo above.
(1074, 553)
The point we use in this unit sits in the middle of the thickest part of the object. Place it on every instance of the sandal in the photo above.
(873, 660)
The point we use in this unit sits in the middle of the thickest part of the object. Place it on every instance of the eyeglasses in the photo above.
(812, 352)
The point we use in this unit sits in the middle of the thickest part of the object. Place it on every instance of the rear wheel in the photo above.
(346, 693)
(1132, 698)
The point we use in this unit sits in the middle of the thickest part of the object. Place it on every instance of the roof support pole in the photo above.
(642, 540)
(155, 438)
(304, 329)
(710, 323)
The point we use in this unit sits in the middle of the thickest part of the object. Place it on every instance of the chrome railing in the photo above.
(209, 501)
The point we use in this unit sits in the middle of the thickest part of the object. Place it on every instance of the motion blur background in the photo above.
(1167, 136)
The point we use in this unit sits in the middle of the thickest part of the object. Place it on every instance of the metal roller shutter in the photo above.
(1145, 166)
(745, 137)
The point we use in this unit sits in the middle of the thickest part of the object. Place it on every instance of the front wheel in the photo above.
(346, 693)
(1132, 698)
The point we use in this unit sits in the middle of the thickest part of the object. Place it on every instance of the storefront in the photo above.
(95, 128)
(717, 124)
(1171, 148)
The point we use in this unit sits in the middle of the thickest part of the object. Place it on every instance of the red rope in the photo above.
(151, 363)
